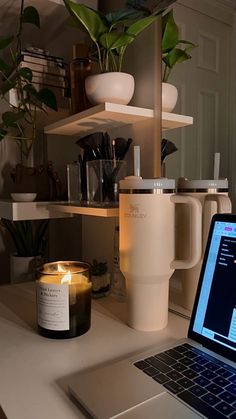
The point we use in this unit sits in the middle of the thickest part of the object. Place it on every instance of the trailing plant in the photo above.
(20, 121)
(111, 33)
(27, 236)
(174, 49)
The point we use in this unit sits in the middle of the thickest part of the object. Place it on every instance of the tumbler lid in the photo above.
(137, 183)
(202, 185)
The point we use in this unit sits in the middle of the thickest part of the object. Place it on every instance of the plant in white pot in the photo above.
(111, 34)
(30, 242)
(174, 51)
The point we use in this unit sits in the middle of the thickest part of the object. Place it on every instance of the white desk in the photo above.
(34, 370)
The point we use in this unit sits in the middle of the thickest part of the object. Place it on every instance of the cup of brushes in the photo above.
(102, 167)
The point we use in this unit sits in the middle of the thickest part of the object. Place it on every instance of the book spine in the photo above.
(41, 68)
(42, 60)
(43, 56)
(48, 81)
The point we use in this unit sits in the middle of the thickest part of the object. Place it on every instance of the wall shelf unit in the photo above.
(110, 115)
(20, 211)
(97, 118)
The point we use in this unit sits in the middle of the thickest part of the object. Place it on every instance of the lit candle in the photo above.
(64, 299)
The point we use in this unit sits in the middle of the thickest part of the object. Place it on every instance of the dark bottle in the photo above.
(80, 68)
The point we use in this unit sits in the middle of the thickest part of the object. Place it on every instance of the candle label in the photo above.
(53, 306)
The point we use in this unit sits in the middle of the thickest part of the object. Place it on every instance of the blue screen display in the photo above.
(215, 316)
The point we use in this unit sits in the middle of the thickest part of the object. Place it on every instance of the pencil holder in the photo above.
(103, 177)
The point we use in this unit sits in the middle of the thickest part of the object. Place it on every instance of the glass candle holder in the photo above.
(63, 299)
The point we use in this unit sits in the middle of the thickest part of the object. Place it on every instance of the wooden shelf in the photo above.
(71, 208)
(110, 115)
(172, 120)
(19, 211)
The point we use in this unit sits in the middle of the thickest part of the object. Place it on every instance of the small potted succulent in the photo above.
(101, 279)
(174, 51)
(111, 34)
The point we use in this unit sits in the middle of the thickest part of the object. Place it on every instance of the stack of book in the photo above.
(48, 71)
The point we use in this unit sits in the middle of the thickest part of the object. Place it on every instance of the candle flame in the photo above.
(66, 278)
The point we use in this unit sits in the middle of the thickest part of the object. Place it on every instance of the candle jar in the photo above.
(63, 299)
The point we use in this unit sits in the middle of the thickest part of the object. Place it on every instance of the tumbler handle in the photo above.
(223, 205)
(195, 233)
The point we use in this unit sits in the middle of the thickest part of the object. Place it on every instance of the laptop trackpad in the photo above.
(163, 406)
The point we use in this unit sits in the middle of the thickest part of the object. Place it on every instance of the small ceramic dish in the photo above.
(23, 197)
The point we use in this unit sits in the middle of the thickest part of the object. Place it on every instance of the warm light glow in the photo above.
(66, 278)
(60, 269)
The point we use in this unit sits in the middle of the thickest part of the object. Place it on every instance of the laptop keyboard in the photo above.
(200, 380)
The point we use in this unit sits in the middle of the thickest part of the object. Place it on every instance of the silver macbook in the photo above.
(192, 378)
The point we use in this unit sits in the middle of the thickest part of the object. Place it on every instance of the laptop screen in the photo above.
(213, 321)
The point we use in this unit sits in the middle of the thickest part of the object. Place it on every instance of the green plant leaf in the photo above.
(176, 56)
(3, 133)
(114, 40)
(170, 32)
(10, 118)
(47, 97)
(4, 42)
(137, 27)
(4, 67)
(123, 16)
(26, 73)
(98, 268)
(31, 15)
(93, 21)
(6, 86)
(29, 88)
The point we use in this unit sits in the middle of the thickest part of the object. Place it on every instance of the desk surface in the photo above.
(35, 370)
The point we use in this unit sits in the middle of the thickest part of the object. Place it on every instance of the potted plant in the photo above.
(174, 51)
(24, 101)
(111, 34)
(30, 242)
(101, 279)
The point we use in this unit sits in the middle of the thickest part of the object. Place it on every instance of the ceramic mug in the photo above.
(147, 246)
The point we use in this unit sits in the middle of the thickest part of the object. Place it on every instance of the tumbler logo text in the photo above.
(134, 212)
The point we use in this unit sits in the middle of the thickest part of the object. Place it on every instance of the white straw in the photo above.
(136, 160)
(216, 166)
(114, 152)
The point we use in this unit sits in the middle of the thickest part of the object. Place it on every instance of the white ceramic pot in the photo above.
(23, 268)
(113, 87)
(169, 97)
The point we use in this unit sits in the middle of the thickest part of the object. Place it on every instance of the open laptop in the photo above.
(193, 378)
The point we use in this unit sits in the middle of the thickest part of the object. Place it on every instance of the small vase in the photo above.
(23, 268)
(169, 97)
(113, 87)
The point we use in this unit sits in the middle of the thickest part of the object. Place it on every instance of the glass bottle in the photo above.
(80, 68)
(118, 288)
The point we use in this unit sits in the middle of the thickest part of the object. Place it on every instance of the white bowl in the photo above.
(23, 197)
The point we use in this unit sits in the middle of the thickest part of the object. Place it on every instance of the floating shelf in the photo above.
(173, 120)
(71, 208)
(110, 115)
(17, 211)
(20, 211)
